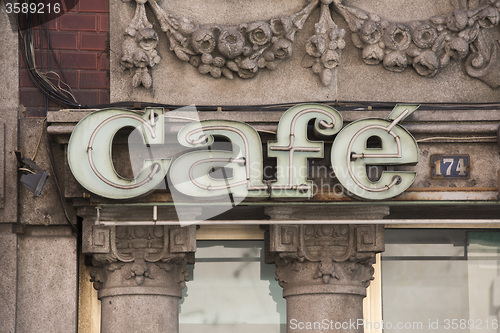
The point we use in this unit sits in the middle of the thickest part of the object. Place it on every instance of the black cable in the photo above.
(39, 79)
(339, 105)
(49, 47)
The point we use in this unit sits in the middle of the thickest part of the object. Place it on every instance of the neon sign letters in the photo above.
(360, 144)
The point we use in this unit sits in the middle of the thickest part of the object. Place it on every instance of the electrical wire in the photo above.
(39, 139)
(458, 138)
(41, 80)
(27, 170)
(360, 106)
(68, 91)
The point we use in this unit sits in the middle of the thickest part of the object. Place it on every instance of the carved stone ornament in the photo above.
(242, 50)
(150, 256)
(338, 256)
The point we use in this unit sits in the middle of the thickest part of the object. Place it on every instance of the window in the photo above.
(230, 290)
(441, 280)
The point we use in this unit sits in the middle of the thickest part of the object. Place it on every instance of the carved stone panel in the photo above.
(150, 257)
(95, 239)
(370, 238)
(302, 43)
(324, 255)
(286, 239)
(182, 239)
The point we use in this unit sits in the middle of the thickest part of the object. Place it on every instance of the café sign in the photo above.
(191, 172)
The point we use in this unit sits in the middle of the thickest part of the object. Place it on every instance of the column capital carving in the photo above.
(319, 258)
(147, 242)
(151, 257)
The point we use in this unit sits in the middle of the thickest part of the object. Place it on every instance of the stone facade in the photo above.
(240, 53)
(8, 182)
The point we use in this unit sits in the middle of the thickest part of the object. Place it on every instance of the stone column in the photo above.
(324, 271)
(140, 272)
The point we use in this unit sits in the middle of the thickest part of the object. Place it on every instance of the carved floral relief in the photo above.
(229, 51)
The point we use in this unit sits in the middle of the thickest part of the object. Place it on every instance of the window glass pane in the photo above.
(483, 255)
(440, 280)
(424, 243)
(231, 289)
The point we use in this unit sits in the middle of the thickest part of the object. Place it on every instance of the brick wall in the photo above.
(79, 38)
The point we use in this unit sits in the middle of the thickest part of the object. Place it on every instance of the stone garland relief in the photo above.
(242, 50)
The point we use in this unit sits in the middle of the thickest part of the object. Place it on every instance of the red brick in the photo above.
(99, 6)
(62, 40)
(35, 112)
(70, 77)
(87, 97)
(70, 5)
(39, 34)
(32, 97)
(93, 41)
(48, 20)
(36, 38)
(104, 62)
(42, 59)
(22, 22)
(78, 22)
(94, 79)
(34, 22)
(53, 24)
(104, 22)
(53, 105)
(25, 79)
(22, 64)
(79, 60)
(104, 96)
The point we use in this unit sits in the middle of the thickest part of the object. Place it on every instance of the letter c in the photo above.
(90, 152)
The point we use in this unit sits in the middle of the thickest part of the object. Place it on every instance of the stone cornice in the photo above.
(445, 121)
